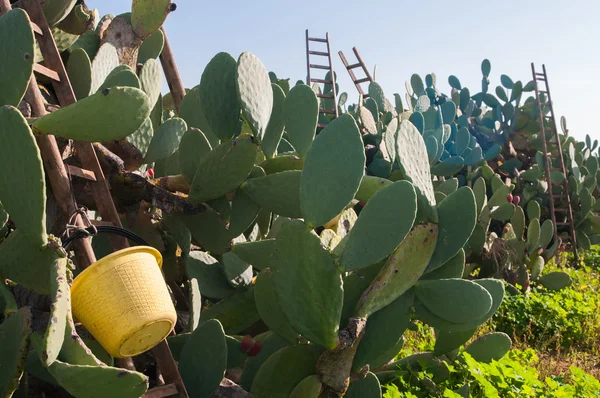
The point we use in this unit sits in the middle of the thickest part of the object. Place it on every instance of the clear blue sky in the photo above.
(402, 38)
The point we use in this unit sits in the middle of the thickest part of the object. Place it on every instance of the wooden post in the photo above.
(172, 73)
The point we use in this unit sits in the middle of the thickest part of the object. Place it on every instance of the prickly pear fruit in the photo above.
(516, 200)
(246, 343)
(509, 198)
(255, 349)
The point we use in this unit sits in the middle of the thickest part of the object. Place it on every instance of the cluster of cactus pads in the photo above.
(298, 256)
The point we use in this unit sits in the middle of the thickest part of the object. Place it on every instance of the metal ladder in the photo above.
(310, 80)
(548, 124)
(350, 69)
(59, 176)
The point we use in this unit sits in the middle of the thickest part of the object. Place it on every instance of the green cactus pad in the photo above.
(166, 140)
(518, 222)
(79, 69)
(492, 346)
(333, 169)
(23, 194)
(423, 361)
(282, 163)
(195, 304)
(303, 265)
(254, 92)
(8, 305)
(224, 169)
(457, 218)
(192, 112)
(243, 212)
(142, 137)
(147, 16)
(151, 47)
(546, 234)
(151, 79)
(369, 185)
(17, 53)
(448, 186)
(237, 271)
(366, 387)
(108, 115)
(89, 42)
(278, 193)
(479, 189)
(121, 76)
(537, 266)
(201, 376)
(401, 271)
(256, 253)
(382, 225)
(453, 268)
(383, 334)
(209, 273)
(61, 302)
(235, 356)
(274, 129)
(454, 300)
(193, 148)
(236, 313)
(556, 280)
(413, 160)
(284, 370)
(310, 387)
(499, 196)
(533, 210)
(269, 309)
(446, 342)
(57, 10)
(301, 112)
(533, 235)
(105, 61)
(271, 343)
(218, 96)
(14, 345)
(504, 212)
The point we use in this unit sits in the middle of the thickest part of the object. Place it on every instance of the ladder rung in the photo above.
(555, 169)
(542, 92)
(49, 73)
(562, 223)
(79, 172)
(540, 79)
(364, 80)
(555, 209)
(558, 195)
(322, 81)
(36, 28)
(353, 66)
(101, 222)
(328, 96)
(540, 74)
(321, 125)
(328, 111)
(324, 54)
(319, 66)
(365, 96)
(317, 39)
(167, 390)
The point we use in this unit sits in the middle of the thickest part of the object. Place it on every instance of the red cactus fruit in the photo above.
(505, 230)
(151, 173)
(362, 203)
(255, 349)
(509, 198)
(516, 200)
(246, 343)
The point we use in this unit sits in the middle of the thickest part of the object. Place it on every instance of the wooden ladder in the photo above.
(310, 80)
(59, 175)
(554, 153)
(350, 69)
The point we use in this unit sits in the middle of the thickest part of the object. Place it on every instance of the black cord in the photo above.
(107, 229)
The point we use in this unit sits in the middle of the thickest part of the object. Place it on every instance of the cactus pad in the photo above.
(254, 92)
(23, 192)
(79, 69)
(105, 61)
(192, 149)
(202, 377)
(256, 253)
(310, 387)
(14, 345)
(61, 303)
(111, 114)
(366, 387)
(454, 300)
(382, 225)
(492, 346)
(271, 343)
(165, 140)
(121, 76)
(151, 47)
(284, 370)
(17, 53)
(209, 273)
(333, 169)
(453, 268)
(301, 111)
(556, 280)
(401, 271)
(304, 266)
(369, 185)
(147, 16)
(457, 215)
(278, 193)
(151, 80)
(224, 169)
(269, 309)
(274, 129)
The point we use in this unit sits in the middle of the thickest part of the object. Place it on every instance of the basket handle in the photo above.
(106, 229)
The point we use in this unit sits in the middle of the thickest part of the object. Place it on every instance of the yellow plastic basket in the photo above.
(123, 301)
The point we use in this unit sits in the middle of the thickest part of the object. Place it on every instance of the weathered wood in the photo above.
(172, 73)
